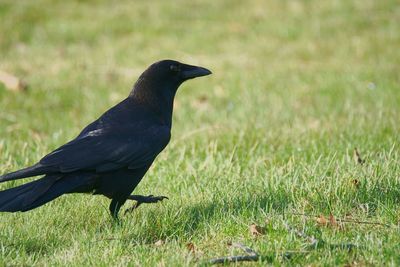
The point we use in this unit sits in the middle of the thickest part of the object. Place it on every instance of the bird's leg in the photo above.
(115, 206)
(144, 199)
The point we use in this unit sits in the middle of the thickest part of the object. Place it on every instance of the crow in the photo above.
(112, 154)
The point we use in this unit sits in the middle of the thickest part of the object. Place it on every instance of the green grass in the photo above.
(296, 86)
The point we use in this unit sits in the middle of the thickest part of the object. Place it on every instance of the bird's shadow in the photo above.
(188, 220)
(191, 219)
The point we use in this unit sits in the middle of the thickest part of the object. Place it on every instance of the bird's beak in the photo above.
(190, 72)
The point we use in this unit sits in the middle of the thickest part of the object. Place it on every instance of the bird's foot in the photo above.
(143, 199)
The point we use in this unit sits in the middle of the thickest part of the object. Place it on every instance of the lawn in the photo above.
(296, 87)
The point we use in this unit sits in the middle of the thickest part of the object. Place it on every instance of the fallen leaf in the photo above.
(357, 157)
(190, 246)
(322, 220)
(332, 221)
(256, 230)
(11, 82)
(159, 243)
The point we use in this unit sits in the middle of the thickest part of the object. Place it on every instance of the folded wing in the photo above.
(106, 151)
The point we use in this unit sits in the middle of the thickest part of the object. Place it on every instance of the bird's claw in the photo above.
(145, 199)
(153, 199)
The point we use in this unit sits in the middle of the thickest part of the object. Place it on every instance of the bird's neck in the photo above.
(161, 102)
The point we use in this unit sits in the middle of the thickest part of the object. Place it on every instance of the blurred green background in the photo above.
(296, 86)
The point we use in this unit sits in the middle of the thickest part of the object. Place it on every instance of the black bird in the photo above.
(112, 154)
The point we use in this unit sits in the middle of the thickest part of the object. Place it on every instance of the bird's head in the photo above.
(169, 75)
(157, 85)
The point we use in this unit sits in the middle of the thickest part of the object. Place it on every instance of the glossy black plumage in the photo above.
(111, 155)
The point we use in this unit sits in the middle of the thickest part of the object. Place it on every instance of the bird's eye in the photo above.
(175, 68)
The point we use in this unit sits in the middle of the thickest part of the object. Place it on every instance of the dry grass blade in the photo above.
(342, 220)
(252, 255)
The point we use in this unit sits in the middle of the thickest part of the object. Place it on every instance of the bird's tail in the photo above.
(37, 193)
(34, 170)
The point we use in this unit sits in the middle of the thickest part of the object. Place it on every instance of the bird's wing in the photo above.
(102, 150)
